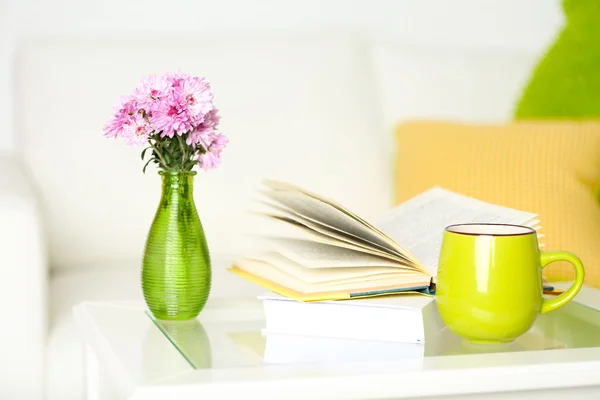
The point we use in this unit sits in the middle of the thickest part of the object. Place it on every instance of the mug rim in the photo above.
(528, 230)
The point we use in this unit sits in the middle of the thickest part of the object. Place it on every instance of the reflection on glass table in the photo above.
(210, 342)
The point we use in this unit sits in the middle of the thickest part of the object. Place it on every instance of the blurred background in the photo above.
(311, 92)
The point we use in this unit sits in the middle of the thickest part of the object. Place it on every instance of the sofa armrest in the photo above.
(23, 285)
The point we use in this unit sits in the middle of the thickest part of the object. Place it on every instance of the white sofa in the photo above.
(308, 105)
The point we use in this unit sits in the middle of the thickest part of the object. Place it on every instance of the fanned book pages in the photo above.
(338, 255)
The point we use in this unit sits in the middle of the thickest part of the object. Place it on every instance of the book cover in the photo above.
(401, 318)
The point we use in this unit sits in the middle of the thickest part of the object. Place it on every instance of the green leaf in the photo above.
(144, 151)
(148, 162)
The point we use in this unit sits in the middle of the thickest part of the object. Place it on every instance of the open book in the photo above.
(339, 255)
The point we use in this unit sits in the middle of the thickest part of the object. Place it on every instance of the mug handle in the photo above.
(548, 257)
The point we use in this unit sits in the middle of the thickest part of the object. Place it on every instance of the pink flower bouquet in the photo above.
(175, 116)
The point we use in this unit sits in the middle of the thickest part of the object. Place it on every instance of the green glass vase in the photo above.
(176, 269)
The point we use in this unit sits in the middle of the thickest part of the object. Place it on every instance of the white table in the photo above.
(220, 355)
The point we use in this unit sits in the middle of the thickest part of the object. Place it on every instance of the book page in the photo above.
(335, 275)
(319, 211)
(296, 220)
(318, 237)
(282, 186)
(324, 228)
(271, 273)
(318, 255)
(419, 223)
(318, 208)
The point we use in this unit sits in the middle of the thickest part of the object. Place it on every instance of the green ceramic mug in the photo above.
(489, 285)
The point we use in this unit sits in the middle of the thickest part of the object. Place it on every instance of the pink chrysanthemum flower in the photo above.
(172, 115)
(203, 133)
(212, 158)
(198, 97)
(176, 79)
(164, 106)
(219, 141)
(124, 112)
(208, 161)
(151, 91)
(137, 130)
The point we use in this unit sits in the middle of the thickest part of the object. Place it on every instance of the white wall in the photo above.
(519, 24)
(7, 44)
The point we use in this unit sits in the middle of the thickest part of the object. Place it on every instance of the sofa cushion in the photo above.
(299, 109)
(565, 83)
(549, 168)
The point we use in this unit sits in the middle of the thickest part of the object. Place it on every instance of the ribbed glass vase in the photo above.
(176, 270)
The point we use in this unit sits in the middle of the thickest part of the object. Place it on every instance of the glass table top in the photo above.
(213, 341)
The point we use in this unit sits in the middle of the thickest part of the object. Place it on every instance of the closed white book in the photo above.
(400, 318)
(294, 349)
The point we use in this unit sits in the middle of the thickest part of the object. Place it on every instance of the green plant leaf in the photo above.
(148, 162)
(144, 151)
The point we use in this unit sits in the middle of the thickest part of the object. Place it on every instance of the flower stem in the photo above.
(160, 156)
(171, 157)
(183, 152)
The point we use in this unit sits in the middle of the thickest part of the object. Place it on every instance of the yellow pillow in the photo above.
(550, 168)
